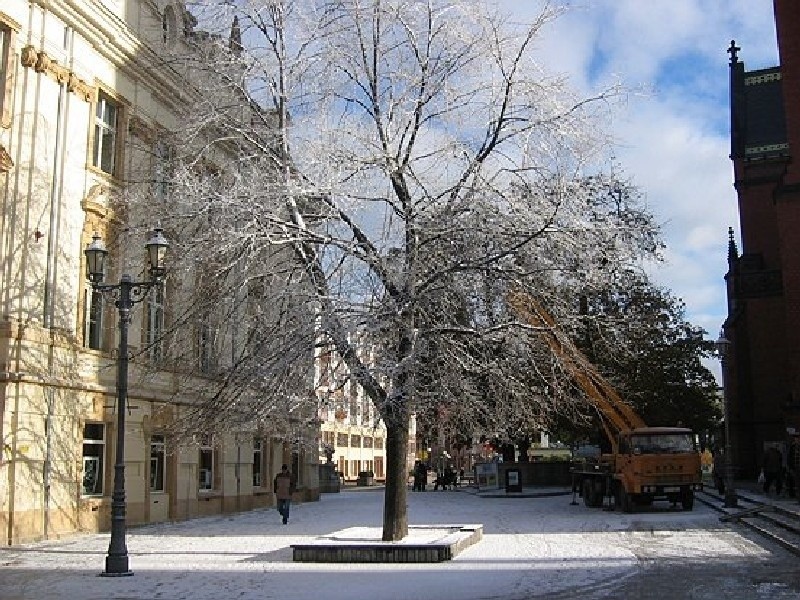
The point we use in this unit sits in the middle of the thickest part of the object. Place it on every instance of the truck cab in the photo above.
(656, 463)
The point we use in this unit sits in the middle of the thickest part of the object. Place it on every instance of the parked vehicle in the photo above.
(645, 463)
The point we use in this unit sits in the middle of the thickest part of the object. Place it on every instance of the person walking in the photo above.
(718, 470)
(773, 469)
(283, 486)
(420, 476)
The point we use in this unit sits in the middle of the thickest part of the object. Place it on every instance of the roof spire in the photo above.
(733, 252)
(236, 36)
(733, 50)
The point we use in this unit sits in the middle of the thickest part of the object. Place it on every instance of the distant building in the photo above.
(762, 375)
(350, 426)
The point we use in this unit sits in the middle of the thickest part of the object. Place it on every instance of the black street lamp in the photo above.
(125, 294)
(723, 345)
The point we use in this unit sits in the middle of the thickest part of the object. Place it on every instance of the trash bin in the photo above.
(366, 478)
(513, 481)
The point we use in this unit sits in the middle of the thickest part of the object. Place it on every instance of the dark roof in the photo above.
(761, 114)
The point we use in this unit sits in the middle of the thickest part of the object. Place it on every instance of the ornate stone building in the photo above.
(84, 95)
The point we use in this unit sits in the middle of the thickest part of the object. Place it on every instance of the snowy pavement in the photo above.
(532, 548)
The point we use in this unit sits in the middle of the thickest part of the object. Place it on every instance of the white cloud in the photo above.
(673, 142)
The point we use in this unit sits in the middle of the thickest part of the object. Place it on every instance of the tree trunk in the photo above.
(395, 508)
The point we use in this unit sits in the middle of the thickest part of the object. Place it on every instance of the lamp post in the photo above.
(723, 345)
(125, 294)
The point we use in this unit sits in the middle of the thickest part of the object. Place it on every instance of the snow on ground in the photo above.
(532, 547)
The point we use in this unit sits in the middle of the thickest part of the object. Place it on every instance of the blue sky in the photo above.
(673, 138)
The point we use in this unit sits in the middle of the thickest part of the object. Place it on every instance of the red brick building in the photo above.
(762, 375)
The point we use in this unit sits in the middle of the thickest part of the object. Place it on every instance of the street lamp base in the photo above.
(731, 499)
(116, 566)
(107, 574)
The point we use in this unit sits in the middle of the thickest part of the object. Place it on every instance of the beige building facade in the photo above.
(84, 95)
(351, 429)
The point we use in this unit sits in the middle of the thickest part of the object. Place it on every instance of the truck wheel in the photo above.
(587, 493)
(687, 499)
(592, 497)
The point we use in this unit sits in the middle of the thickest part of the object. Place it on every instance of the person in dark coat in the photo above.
(284, 486)
(719, 470)
(420, 476)
(773, 469)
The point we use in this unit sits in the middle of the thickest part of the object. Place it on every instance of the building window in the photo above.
(162, 161)
(205, 346)
(379, 443)
(325, 369)
(106, 128)
(379, 467)
(355, 441)
(367, 442)
(94, 451)
(342, 439)
(353, 410)
(6, 73)
(257, 461)
(366, 404)
(157, 463)
(93, 319)
(154, 324)
(169, 26)
(206, 462)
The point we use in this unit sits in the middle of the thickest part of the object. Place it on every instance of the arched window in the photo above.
(169, 26)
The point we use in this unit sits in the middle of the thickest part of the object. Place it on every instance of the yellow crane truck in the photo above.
(645, 463)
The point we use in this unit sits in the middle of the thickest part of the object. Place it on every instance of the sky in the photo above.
(673, 132)
(531, 548)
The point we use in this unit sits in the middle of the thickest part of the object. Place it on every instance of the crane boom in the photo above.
(616, 415)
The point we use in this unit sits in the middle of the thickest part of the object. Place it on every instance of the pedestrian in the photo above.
(718, 470)
(420, 475)
(773, 469)
(283, 486)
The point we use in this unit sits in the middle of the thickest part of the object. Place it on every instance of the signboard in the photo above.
(513, 481)
(486, 474)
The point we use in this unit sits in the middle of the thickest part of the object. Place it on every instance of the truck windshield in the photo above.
(664, 443)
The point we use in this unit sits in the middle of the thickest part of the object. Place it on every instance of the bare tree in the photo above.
(397, 165)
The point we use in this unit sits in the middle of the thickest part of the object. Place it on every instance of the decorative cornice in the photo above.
(42, 63)
(5, 160)
(766, 149)
(8, 21)
(28, 56)
(762, 78)
(116, 42)
(90, 204)
(80, 88)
